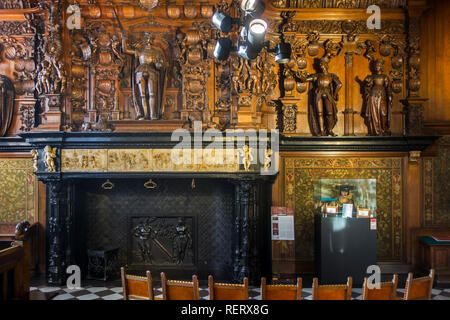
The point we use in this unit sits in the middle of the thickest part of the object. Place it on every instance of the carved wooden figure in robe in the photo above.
(322, 108)
(7, 94)
(149, 78)
(378, 101)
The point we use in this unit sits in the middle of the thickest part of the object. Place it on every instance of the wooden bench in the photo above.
(12, 274)
(430, 254)
(15, 263)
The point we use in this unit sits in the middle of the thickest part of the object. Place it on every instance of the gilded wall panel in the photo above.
(436, 174)
(18, 191)
(300, 174)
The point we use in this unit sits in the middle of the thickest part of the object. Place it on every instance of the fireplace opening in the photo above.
(176, 225)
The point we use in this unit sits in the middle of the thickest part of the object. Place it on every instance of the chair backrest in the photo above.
(227, 291)
(136, 287)
(179, 290)
(332, 292)
(12, 271)
(386, 290)
(281, 291)
(419, 288)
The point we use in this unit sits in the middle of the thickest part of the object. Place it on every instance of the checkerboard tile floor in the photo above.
(115, 293)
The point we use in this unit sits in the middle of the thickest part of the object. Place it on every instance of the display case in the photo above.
(345, 229)
(348, 198)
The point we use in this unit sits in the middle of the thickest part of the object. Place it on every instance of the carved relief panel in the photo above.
(152, 61)
(350, 50)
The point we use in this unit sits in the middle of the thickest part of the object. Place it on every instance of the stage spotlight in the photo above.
(222, 49)
(256, 32)
(222, 21)
(255, 8)
(283, 53)
(247, 51)
(244, 33)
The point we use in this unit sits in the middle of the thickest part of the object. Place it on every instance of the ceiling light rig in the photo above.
(252, 34)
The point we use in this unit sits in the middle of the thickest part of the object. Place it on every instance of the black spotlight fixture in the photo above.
(222, 21)
(254, 8)
(283, 53)
(247, 51)
(222, 49)
(257, 32)
(252, 34)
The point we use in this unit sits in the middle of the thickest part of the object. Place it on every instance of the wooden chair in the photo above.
(332, 292)
(387, 290)
(135, 287)
(227, 291)
(179, 290)
(281, 291)
(419, 288)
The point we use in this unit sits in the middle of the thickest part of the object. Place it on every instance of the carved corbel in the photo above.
(414, 156)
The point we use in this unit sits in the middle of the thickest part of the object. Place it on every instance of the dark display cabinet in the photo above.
(343, 247)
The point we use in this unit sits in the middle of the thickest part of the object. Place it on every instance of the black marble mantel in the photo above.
(251, 232)
(31, 140)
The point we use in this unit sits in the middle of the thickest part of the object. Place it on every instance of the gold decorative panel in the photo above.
(84, 160)
(18, 191)
(300, 174)
(436, 174)
(142, 160)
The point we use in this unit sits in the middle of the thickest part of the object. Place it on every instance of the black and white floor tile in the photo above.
(115, 293)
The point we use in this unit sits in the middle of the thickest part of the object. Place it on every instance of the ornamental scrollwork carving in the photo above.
(342, 4)
(195, 48)
(51, 77)
(336, 27)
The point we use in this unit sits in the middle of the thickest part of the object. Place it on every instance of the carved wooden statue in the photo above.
(322, 108)
(7, 94)
(149, 78)
(377, 101)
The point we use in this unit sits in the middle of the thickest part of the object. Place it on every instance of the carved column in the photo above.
(350, 48)
(247, 229)
(57, 231)
(413, 104)
(413, 199)
(51, 78)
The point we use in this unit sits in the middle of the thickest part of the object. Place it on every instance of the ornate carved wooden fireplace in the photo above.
(119, 190)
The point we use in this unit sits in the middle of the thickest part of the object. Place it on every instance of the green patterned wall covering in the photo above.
(300, 174)
(18, 191)
(436, 187)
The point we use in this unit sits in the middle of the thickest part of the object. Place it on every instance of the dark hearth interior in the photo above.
(175, 227)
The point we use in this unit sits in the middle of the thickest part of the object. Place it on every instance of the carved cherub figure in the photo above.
(49, 155)
(246, 154)
(35, 155)
(267, 159)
